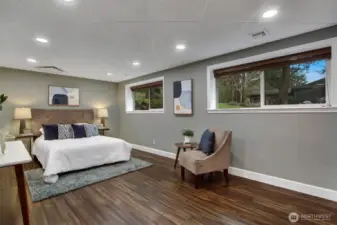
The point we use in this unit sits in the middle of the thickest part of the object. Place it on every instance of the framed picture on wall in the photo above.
(64, 96)
(182, 97)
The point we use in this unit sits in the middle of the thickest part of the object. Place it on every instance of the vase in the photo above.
(187, 139)
(2, 144)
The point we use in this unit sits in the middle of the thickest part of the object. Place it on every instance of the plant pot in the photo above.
(187, 139)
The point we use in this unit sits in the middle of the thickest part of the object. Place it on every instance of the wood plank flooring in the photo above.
(156, 195)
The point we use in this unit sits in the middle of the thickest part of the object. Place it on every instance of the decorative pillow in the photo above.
(50, 132)
(206, 144)
(65, 131)
(79, 131)
(91, 130)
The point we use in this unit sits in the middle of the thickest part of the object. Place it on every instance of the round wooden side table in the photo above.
(184, 146)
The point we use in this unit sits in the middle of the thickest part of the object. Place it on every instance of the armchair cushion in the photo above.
(206, 144)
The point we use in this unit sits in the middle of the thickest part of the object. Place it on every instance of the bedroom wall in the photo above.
(30, 89)
(297, 146)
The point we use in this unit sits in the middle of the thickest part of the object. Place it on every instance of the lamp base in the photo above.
(22, 126)
(103, 121)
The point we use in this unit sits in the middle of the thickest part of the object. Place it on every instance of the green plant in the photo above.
(188, 133)
(3, 98)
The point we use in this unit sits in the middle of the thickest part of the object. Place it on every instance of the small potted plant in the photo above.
(188, 134)
(3, 98)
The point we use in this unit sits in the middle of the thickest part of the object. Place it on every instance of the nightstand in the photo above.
(31, 137)
(101, 130)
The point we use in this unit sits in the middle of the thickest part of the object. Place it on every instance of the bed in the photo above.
(59, 156)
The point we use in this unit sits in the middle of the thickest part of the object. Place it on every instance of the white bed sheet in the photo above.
(58, 156)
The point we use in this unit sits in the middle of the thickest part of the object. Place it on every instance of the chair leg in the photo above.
(182, 170)
(225, 171)
(196, 181)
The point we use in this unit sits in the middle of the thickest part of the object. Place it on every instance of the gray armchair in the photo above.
(199, 163)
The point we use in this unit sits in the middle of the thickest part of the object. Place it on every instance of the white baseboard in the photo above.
(267, 179)
(155, 151)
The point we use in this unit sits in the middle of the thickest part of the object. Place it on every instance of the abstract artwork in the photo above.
(63, 96)
(182, 95)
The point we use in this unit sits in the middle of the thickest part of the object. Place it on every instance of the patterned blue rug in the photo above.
(40, 190)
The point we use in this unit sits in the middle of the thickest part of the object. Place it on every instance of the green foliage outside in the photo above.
(243, 90)
(149, 98)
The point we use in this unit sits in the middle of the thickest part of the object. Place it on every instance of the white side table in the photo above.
(16, 155)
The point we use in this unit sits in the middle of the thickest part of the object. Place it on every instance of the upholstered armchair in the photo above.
(199, 163)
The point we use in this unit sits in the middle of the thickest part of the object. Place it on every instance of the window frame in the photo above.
(331, 82)
(129, 97)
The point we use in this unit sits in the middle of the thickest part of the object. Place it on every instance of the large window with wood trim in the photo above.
(148, 96)
(293, 80)
(145, 96)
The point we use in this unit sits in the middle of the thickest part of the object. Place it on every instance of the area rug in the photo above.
(73, 180)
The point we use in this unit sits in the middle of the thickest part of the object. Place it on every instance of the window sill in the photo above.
(275, 110)
(145, 112)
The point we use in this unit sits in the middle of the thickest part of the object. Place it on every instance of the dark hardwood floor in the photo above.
(156, 195)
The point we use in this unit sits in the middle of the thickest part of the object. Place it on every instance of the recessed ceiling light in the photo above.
(109, 74)
(31, 60)
(180, 47)
(68, 0)
(270, 13)
(41, 40)
(136, 63)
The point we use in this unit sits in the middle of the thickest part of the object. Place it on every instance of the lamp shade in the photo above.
(102, 113)
(22, 113)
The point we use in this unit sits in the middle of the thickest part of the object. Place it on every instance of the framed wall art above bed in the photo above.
(64, 96)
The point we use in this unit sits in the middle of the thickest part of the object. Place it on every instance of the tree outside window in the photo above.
(148, 98)
(291, 84)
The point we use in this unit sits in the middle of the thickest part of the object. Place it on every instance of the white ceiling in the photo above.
(89, 38)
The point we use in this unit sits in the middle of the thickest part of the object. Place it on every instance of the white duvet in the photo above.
(58, 156)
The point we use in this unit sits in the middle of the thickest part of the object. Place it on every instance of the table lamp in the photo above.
(102, 113)
(22, 114)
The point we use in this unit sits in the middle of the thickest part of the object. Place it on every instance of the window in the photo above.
(148, 97)
(238, 90)
(145, 96)
(293, 80)
(296, 84)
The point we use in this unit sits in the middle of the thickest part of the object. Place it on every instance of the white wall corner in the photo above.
(267, 179)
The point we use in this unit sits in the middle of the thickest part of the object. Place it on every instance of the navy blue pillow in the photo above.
(50, 131)
(206, 144)
(79, 131)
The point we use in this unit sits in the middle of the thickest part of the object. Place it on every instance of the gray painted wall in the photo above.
(30, 89)
(299, 147)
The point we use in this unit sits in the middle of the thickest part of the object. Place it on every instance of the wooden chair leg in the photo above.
(225, 171)
(196, 181)
(182, 170)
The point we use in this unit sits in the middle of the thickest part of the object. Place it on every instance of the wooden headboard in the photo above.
(64, 116)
